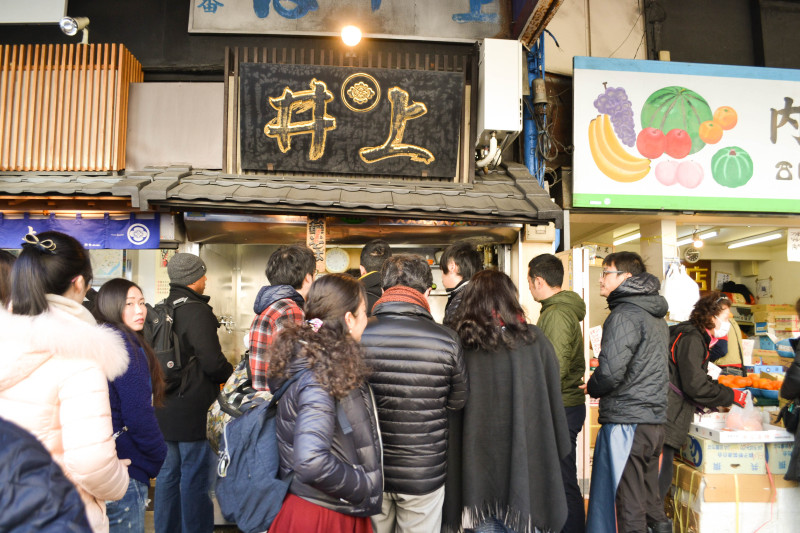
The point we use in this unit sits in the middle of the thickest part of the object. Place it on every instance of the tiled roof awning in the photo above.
(512, 195)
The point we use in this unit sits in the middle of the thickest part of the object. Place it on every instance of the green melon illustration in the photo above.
(677, 107)
(732, 167)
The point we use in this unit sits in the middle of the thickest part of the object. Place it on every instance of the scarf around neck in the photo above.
(401, 293)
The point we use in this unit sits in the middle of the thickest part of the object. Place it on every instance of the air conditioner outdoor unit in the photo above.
(500, 75)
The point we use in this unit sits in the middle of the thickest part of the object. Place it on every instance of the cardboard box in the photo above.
(594, 425)
(771, 358)
(727, 487)
(778, 455)
(712, 457)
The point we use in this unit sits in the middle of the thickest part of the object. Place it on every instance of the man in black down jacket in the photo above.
(631, 382)
(182, 499)
(418, 374)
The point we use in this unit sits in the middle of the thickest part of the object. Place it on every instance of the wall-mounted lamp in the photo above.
(756, 240)
(72, 25)
(627, 238)
(351, 35)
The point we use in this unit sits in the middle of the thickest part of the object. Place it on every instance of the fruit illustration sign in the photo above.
(676, 136)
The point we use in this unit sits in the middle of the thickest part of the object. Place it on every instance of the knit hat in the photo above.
(185, 269)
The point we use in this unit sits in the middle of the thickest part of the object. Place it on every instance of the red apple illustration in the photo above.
(689, 174)
(679, 144)
(651, 143)
(666, 172)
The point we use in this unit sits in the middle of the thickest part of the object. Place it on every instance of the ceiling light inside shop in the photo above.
(351, 35)
(703, 236)
(627, 238)
(756, 240)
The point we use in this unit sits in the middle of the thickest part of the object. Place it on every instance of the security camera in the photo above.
(72, 25)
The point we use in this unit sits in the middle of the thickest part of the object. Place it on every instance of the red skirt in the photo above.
(300, 516)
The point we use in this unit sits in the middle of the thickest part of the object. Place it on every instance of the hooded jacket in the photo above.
(276, 306)
(338, 470)
(560, 320)
(418, 374)
(183, 416)
(54, 373)
(631, 379)
(688, 372)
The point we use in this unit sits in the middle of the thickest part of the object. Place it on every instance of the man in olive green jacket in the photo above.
(560, 320)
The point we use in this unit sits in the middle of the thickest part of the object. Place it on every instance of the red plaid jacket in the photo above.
(264, 327)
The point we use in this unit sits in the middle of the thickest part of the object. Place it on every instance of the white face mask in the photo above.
(723, 329)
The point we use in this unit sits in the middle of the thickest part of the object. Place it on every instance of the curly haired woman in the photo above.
(328, 434)
(690, 386)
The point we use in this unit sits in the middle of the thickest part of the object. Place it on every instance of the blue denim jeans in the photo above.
(182, 498)
(127, 515)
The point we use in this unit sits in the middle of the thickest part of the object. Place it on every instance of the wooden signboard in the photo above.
(350, 120)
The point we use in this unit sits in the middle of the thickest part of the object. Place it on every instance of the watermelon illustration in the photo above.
(677, 108)
(732, 167)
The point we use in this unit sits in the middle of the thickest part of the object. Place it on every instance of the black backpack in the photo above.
(165, 342)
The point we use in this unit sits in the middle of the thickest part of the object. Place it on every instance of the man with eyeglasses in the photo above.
(631, 382)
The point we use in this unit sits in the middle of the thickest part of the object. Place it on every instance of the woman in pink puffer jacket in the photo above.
(55, 364)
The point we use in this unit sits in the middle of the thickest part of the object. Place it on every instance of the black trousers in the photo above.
(665, 475)
(638, 499)
(576, 517)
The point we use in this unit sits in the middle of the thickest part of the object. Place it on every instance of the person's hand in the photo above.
(583, 388)
(125, 462)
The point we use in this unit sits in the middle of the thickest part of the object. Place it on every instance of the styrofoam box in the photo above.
(713, 429)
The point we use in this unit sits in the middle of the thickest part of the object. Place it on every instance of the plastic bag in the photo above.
(680, 291)
(745, 418)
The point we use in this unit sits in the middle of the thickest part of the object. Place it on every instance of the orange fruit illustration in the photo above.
(710, 132)
(726, 117)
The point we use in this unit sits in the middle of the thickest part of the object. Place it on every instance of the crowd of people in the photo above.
(391, 422)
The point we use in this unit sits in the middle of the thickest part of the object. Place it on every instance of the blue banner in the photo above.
(94, 233)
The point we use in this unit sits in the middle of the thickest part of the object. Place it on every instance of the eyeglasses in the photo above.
(612, 272)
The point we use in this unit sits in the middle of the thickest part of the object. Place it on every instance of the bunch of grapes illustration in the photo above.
(614, 103)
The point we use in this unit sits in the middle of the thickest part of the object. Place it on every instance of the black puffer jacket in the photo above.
(453, 301)
(688, 372)
(183, 417)
(372, 283)
(418, 373)
(790, 390)
(36, 495)
(338, 471)
(631, 379)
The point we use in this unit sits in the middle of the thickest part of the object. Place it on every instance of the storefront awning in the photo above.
(509, 195)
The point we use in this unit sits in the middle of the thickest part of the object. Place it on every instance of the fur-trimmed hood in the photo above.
(66, 331)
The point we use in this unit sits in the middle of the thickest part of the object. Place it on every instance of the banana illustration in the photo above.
(609, 155)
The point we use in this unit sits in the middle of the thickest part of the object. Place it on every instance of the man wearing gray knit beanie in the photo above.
(182, 501)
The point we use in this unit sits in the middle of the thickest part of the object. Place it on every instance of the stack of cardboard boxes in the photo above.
(732, 481)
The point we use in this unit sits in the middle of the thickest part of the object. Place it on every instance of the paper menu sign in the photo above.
(595, 336)
(747, 351)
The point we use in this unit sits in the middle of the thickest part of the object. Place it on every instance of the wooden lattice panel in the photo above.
(64, 107)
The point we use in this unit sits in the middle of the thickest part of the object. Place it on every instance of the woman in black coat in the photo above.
(328, 435)
(690, 386)
(505, 446)
(790, 390)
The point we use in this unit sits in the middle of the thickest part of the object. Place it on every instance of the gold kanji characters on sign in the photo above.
(283, 127)
(394, 146)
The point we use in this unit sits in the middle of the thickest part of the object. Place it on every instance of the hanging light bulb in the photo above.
(351, 35)
(697, 242)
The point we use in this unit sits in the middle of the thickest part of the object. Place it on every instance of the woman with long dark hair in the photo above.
(328, 433)
(690, 386)
(505, 446)
(55, 364)
(120, 305)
